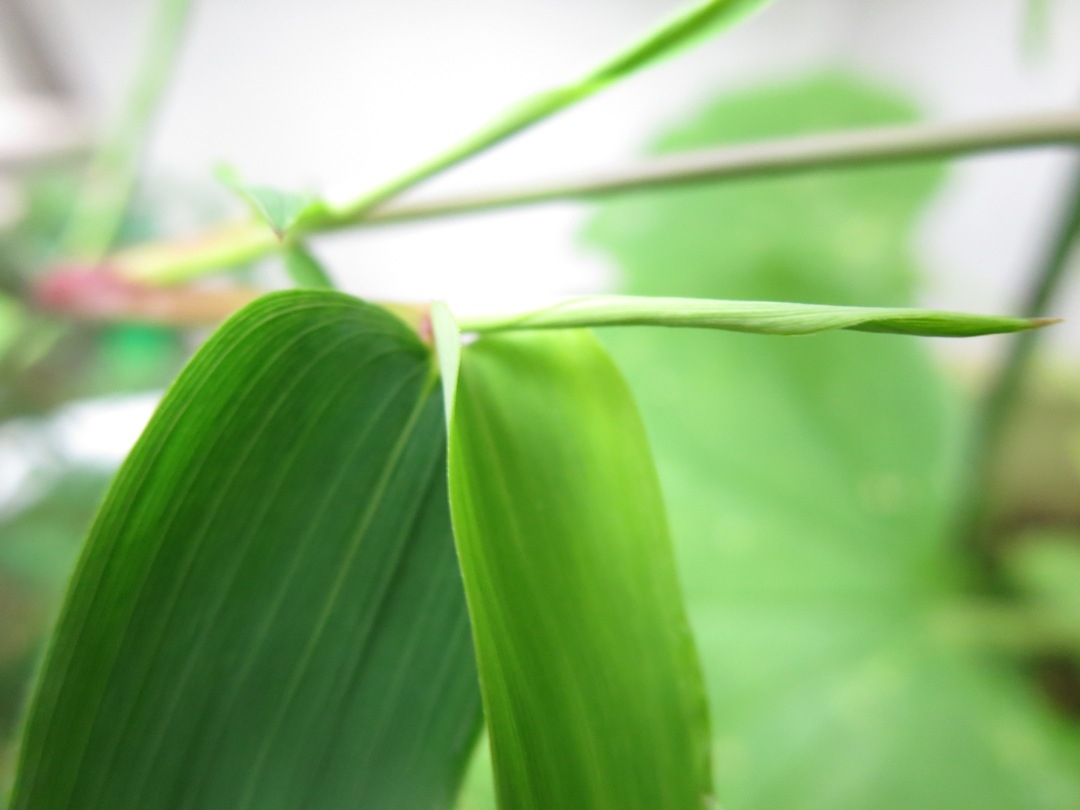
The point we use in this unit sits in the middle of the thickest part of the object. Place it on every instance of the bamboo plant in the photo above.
(350, 539)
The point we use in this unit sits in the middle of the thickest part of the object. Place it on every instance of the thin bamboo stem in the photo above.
(244, 241)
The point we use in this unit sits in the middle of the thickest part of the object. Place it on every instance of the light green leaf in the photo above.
(268, 612)
(281, 210)
(759, 317)
(811, 484)
(305, 270)
(592, 688)
(447, 338)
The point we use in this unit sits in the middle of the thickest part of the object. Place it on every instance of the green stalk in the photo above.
(1004, 392)
(106, 193)
(166, 263)
(250, 240)
(835, 150)
(684, 29)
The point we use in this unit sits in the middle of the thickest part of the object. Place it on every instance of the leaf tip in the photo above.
(1039, 323)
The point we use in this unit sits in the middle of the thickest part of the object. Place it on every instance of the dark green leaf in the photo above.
(592, 689)
(268, 612)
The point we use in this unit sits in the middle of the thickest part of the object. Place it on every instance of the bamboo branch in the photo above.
(807, 153)
(243, 241)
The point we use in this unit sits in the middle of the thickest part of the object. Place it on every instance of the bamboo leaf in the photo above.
(268, 611)
(592, 690)
(305, 270)
(281, 210)
(760, 317)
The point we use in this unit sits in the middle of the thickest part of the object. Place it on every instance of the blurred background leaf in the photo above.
(48, 363)
(1036, 27)
(811, 482)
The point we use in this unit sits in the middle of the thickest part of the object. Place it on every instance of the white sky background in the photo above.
(335, 95)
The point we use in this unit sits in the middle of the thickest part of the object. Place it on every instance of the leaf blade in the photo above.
(756, 317)
(206, 643)
(592, 689)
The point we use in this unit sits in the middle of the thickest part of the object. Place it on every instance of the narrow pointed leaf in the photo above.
(447, 336)
(760, 317)
(268, 611)
(592, 690)
(681, 31)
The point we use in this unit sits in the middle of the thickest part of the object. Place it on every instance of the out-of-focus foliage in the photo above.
(811, 482)
(1037, 481)
(41, 540)
(279, 209)
(1044, 561)
(1046, 565)
(1036, 27)
(46, 363)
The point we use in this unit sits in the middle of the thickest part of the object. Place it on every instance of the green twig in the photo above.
(691, 25)
(106, 194)
(1003, 394)
(834, 150)
(240, 242)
